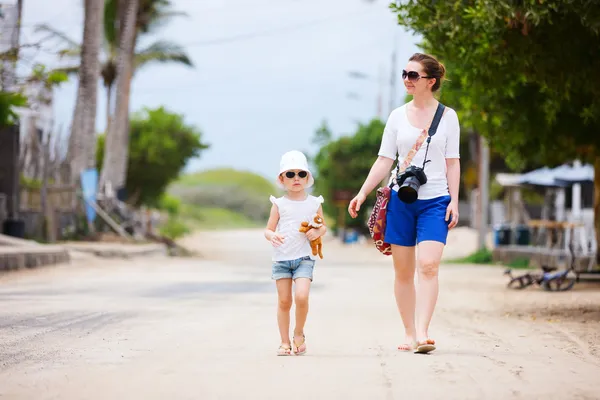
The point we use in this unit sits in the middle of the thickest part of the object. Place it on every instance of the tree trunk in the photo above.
(116, 149)
(597, 204)
(109, 90)
(82, 142)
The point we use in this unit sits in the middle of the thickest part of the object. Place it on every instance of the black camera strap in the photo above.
(433, 128)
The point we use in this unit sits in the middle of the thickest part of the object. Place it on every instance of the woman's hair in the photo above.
(432, 67)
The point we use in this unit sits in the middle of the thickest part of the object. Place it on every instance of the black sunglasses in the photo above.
(413, 76)
(292, 174)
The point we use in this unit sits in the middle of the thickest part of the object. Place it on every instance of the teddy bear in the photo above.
(316, 222)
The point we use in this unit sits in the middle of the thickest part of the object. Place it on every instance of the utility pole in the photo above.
(484, 197)
(392, 99)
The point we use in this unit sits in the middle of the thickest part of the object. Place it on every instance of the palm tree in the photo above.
(82, 142)
(114, 170)
(151, 14)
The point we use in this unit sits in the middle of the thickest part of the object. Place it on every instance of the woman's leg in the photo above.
(404, 290)
(284, 294)
(430, 254)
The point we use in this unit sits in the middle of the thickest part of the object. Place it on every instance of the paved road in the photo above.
(165, 328)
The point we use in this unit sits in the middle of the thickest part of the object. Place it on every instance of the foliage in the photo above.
(174, 228)
(160, 145)
(8, 101)
(344, 163)
(170, 204)
(151, 14)
(508, 62)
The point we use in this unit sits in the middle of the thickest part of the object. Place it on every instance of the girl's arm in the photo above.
(316, 233)
(270, 234)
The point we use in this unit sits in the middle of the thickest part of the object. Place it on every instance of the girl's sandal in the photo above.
(284, 350)
(300, 349)
(407, 347)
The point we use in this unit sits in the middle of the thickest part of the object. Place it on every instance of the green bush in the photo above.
(170, 204)
(174, 228)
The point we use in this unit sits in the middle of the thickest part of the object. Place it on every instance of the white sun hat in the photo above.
(294, 160)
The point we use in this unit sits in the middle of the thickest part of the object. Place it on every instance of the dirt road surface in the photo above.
(176, 328)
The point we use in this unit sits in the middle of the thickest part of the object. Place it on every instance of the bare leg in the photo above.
(404, 290)
(430, 254)
(284, 293)
(301, 299)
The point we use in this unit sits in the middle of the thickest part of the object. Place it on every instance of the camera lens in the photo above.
(409, 191)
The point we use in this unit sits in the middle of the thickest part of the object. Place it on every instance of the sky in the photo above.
(267, 72)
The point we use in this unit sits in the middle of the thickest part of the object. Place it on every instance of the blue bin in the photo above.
(350, 236)
(502, 235)
(522, 235)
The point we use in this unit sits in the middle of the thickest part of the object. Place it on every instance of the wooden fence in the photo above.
(61, 198)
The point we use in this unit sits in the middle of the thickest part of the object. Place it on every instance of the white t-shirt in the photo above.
(291, 214)
(400, 136)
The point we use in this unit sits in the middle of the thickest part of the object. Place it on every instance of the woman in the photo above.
(423, 223)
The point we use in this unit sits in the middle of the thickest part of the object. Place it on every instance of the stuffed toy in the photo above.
(316, 222)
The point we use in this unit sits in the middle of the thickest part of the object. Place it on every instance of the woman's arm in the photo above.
(453, 176)
(380, 169)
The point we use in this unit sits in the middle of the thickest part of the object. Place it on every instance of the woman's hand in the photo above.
(355, 204)
(452, 212)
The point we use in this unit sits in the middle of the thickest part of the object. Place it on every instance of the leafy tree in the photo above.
(528, 72)
(344, 163)
(160, 145)
(151, 15)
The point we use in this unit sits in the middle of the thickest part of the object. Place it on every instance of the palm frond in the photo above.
(56, 34)
(70, 70)
(161, 19)
(162, 51)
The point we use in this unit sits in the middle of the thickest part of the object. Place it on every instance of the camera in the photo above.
(410, 181)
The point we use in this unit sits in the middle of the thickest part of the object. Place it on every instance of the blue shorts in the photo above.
(409, 224)
(293, 269)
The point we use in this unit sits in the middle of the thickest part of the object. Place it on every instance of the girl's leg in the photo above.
(284, 293)
(404, 290)
(430, 254)
(301, 299)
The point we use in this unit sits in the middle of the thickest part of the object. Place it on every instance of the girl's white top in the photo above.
(291, 214)
(400, 136)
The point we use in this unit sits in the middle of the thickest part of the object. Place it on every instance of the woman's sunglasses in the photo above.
(412, 76)
(292, 174)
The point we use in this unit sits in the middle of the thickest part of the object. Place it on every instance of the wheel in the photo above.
(559, 284)
(520, 282)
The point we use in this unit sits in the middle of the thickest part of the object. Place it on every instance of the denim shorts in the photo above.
(294, 269)
(409, 224)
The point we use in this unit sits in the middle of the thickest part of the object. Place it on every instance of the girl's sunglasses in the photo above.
(292, 174)
(412, 76)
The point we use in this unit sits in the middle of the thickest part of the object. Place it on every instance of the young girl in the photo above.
(292, 255)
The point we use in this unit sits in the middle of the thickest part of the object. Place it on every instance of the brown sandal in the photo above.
(297, 347)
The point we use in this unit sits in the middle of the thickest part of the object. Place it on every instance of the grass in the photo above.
(479, 257)
(241, 180)
(484, 257)
(197, 217)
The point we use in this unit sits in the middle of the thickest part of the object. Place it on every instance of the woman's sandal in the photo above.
(284, 350)
(297, 348)
(425, 347)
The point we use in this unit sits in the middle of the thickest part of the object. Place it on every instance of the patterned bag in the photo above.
(378, 217)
